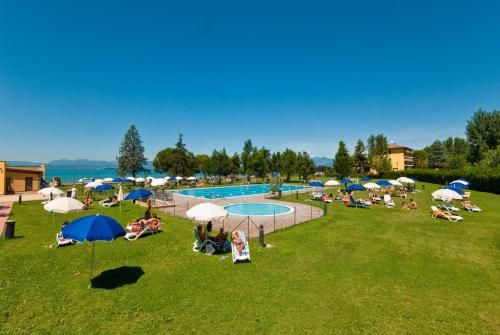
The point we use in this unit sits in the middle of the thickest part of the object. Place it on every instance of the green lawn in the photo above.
(353, 271)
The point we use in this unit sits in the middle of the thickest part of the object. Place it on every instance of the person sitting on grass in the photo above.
(240, 246)
(404, 205)
(413, 204)
(87, 202)
(221, 237)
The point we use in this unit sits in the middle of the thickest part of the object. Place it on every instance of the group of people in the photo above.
(411, 205)
(149, 220)
(204, 234)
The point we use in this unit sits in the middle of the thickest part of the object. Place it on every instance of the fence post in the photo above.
(295, 215)
(174, 207)
(187, 205)
(261, 236)
(311, 211)
(274, 221)
(248, 226)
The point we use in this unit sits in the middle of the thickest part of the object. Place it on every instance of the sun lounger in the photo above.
(61, 241)
(317, 195)
(449, 207)
(470, 208)
(437, 213)
(389, 203)
(376, 199)
(109, 203)
(134, 235)
(244, 255)
(357, 203)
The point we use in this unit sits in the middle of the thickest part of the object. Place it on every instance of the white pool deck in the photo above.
(301, 213)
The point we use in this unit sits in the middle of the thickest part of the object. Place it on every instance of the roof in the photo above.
(396, 146)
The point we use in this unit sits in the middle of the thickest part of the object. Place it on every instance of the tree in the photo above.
(491, 159)
(437, 155)
(276, 162)
(483, 134)
(245, 157)
(360, 161)
(288, 164)
(420, 159)
(378, 152)
(305, 165)
(220, 164)
(259, 162)
(343, 163)
(235, 164)
(202, 163)
(177, 161)
(131, 155)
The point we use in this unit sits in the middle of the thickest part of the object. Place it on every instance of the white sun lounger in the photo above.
(245, 253)
(436, 213)
(388, 201)
(61, 241)
(449, 207)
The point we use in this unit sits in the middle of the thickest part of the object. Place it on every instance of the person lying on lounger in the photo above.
(467, 205)
(240, 246)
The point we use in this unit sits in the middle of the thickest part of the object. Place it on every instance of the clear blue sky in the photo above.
(74, 75)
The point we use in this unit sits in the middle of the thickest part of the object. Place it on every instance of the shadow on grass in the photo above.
(115, 278)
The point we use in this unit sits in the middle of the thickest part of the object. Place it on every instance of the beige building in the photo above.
(14, 179)
(401, 157)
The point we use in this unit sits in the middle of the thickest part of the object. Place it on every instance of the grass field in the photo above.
(378, 270)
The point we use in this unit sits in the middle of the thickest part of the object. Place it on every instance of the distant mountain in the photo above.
(82, 163)
(322, 161)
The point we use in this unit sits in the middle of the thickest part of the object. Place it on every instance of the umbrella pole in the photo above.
(91, 265)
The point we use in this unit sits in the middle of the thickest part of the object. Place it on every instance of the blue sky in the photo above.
(285, 73)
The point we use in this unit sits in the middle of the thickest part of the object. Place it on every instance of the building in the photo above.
(401, 157)
(15, 179)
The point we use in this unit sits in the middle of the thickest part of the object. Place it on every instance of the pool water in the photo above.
(257, 209)
(233, 191)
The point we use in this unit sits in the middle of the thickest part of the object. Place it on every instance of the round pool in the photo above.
(258, 209)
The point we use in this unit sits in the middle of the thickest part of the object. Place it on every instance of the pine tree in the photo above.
(437, 155)
(131, 156)
(343, 162)
(360, 160)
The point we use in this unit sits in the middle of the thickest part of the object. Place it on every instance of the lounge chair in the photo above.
(134, 235)
(357, 203)
(244, 256)
(449, 207)
(470, 207)
(62, 241)
(389, 203)
(375, 199)
(437, 213)
(208, 246)
(317, 195)
(466, 195)
(109, 203)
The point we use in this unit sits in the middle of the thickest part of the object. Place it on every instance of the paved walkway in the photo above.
(5, 208)
(300, 214)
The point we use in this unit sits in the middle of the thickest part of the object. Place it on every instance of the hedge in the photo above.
(481, 179)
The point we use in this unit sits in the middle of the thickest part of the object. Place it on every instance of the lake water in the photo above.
(72, 175)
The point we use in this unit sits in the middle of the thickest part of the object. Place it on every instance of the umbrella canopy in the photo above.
(456, 189)
(158, 182)
(316, 184)
(48, 190)
(138, 194)
(371, 186)
(93, 184)
(395, 183)
(191, 178)
(346, 181)
(120, 194)
(140, 180)
(117, 180)
(130, 178)
(457, 185)
(384, 183)
(104, 187)
(332, 183)
(172, 179)
(366, 179)
(463, 181)
(446, 194)
(405, 180)
(63, 205)
(179, 178)
(93, 228)
(206, 212)
(355, 187)
(108, 180)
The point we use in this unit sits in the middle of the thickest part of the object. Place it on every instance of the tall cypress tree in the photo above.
(131, 156)
(343, 162)
(359, 159)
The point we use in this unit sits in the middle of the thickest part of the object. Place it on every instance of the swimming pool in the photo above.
(257, 209)
(233, 191)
